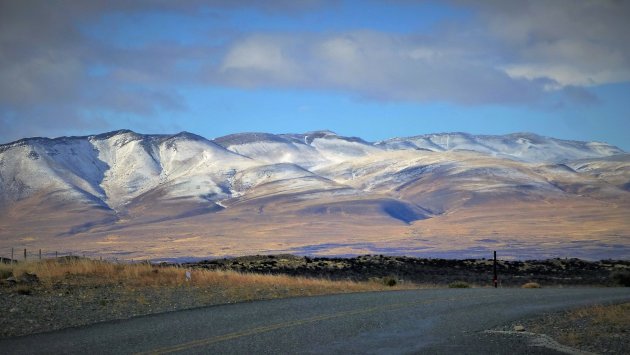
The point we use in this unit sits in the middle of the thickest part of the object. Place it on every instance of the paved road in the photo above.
(424, 321)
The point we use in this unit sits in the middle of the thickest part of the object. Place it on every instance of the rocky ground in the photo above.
(38, 308)
(479, 272)
(599, 329)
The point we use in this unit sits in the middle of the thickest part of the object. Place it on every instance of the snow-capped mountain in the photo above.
(304, 188)
(115, 168)
(525, 147)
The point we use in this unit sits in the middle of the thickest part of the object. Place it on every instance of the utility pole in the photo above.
(495, 280)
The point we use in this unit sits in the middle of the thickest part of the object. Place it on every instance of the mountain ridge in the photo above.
(109, 134)
(305, 188)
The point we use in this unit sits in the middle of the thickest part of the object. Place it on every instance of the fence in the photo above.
(15, 255)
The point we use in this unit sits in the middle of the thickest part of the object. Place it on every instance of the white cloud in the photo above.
(46, 64)
(340, 50)
(581, 43)
(371, 65)
(509, 52)
(567, 75)
(425, 53)
(261, 59)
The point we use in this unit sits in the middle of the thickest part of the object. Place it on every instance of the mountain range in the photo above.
(449, 194)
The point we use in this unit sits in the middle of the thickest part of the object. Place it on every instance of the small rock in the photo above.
(519, 328)
(14, 310)
(29, 278)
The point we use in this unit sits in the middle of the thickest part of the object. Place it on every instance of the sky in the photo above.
(373, 69)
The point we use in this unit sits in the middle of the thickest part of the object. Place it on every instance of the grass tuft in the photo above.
(459, 284)
(531, 285)
(5, 273)
(390, 281)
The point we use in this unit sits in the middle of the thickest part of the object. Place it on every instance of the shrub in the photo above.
(531, 285)
(389, 281)
(459, 284)
(621, 278)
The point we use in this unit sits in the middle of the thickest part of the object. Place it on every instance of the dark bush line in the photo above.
(434, 271)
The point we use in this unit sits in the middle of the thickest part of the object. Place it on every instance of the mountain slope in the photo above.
(317, 192)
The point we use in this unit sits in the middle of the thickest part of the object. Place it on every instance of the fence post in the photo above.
(24, 254)
(56, 254)
(496, 282)
(40, 254)
(11, 255)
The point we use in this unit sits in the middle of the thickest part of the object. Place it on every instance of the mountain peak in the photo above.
(187, 135)
(108, 135)
(248, 137)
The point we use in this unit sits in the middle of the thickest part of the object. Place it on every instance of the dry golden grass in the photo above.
(615, 315)
(235, 285)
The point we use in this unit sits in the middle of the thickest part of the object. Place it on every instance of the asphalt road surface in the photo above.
(440, 321)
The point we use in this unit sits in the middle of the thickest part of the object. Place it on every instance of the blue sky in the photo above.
(374, 69)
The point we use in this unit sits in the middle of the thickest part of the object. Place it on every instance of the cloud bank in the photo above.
(510, 53)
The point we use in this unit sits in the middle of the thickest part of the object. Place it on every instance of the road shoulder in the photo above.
(601, 329)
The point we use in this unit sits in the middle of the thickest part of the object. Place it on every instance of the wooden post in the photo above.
(56, 255)
(11, 255)
(40, 254)
(496, 281)
(24, 254)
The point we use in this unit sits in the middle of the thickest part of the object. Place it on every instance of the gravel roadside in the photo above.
(600, 329)
(31, 306)
(66, 306)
